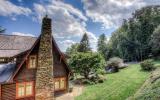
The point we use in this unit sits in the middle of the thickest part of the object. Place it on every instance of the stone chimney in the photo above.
(44, 87)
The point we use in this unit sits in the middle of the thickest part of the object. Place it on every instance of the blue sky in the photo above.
(70, 18)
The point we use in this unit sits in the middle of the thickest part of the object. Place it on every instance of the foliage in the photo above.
(155, 41)
(131, 41)
(101, 71)
(147, 65)
(86, 63)
(94, 80)
(102, 46)
(84, 44)
(87, 81)
(123, 84)
(72, 50)
(2, 30)
(114, 63)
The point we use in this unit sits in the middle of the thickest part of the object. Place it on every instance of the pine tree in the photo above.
(2, 30)
(102, 45)
(84, 44)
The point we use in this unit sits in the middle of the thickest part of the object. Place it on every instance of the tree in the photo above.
(155, 41)
(2, 30)
(131, 40)
(84, 44)
(73, 49)
(86, 63)
(102, 46)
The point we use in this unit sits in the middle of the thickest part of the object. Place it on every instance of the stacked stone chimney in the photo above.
(44, 87)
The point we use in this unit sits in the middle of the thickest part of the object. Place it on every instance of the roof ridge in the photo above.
(17, 35)
(9, 49)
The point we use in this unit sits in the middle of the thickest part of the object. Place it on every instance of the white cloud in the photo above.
(65, 44)
(68, 22)
(112, 12)
(70, 9)
(22, 34)
(9, 9)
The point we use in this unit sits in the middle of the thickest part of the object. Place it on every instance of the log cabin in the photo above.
(32, 68)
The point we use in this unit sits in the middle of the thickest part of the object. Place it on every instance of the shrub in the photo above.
(114, 64)
(147, 65)
(101, 72)
(94, 80)
(86, 63)
(101, 79)
(87, 81)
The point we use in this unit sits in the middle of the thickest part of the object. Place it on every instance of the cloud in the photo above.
(22, 34)
(68, 22)
(110, 13)
(9, 9)
(65, 44)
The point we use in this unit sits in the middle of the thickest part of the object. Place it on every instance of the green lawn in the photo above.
(118, 86)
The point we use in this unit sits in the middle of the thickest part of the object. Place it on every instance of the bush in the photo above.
(147, 65)
(94, 80)
(101, 72)
(86, 63)
(114, 63)
(101, 79)
(87, 81)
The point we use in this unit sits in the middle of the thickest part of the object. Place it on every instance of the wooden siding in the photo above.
(59, 70)
(25, 74)
(8, 91)
(0, 92)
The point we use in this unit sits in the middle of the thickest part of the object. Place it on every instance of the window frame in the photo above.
(59, 80)
(28, 65)
(24, 83)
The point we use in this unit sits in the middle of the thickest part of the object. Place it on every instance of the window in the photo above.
(29, 88)
(21, 89)
(32, 61)
(56, 85)
(60, 84)
(24, 89)
(2, 60)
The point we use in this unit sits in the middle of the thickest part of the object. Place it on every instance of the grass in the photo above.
(157, 63)
(150, 89)
(118, 86)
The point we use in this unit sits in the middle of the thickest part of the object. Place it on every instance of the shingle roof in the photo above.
(11, 45)
(6, 71)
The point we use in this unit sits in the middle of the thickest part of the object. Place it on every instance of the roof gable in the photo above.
(36, 42)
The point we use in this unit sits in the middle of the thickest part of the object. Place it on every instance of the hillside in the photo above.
(118, 86)
(150, 89)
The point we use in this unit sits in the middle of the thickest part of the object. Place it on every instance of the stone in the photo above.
(44, 86)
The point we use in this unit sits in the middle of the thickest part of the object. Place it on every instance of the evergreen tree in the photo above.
(73, 49)
(131, 40)
(102, 46)
(2, 30)
(155, 41)
(84, 44)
